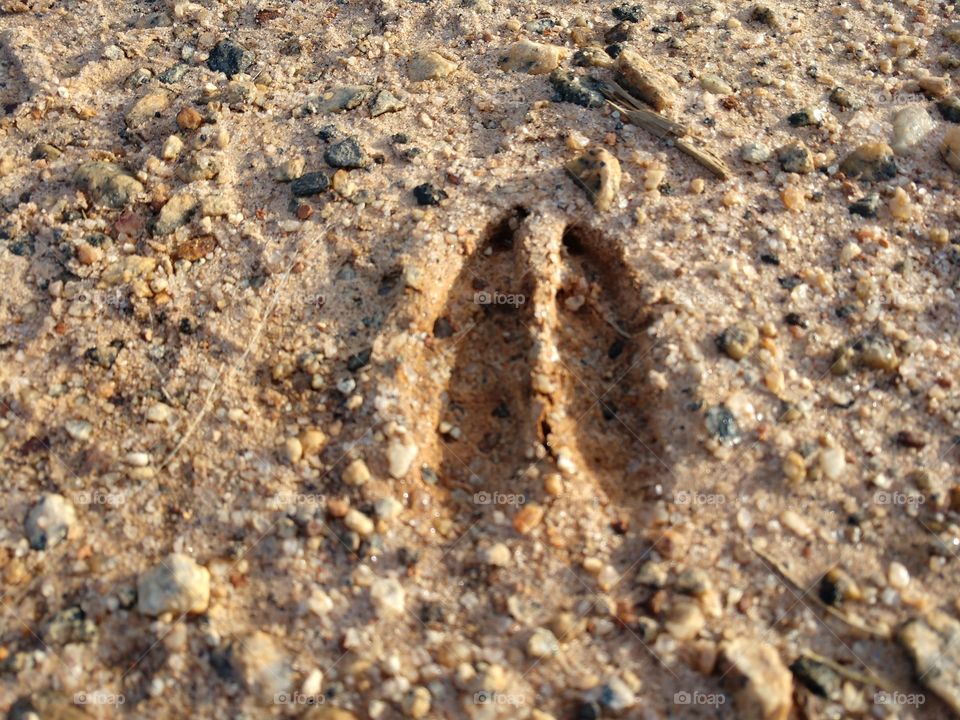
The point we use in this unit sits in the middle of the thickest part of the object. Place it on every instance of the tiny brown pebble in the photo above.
(195, 248)
(621, 526)
(88, 254)
(304, 212)
(189, 119)
(528, 518)
(954, 498)
(337, 507)
(266, 15)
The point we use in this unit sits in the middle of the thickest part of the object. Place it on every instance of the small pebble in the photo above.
(542, 644)
(597, 172)
(898, 576)
(176, 585)
(532, 58)
(49, 521)
(429, 66)
(911, 125)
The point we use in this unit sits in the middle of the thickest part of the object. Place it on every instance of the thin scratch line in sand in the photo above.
(243, 358)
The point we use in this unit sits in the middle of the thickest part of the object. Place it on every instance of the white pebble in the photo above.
(898, 576)
(388, 597)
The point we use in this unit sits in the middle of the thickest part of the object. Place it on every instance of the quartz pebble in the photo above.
(146, 109)
(898, 576)
(49, 521)
(177, 584)
(356, 473)
(530, 57)
(761, 685)
(497, 555)
(911, 125)
(597, 172)
(684, 620)
(715, 84)
(358, 522)
(429, 65)
(263, 666)
(833, 463)
(755, 153)
(416, 703)
(641, 79)
(542, 644)
(931, 644)
(400, 457)
(388, 597)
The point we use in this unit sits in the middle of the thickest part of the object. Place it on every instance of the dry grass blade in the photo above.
(647, 119)
(855, 623)
(706, 158)
(662, 127)
(845, 672)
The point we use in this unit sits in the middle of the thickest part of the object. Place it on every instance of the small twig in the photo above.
(880, 633)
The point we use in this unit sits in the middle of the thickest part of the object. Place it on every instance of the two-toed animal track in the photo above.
(541, 356)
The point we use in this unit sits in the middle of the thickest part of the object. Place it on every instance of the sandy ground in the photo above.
(445, 439)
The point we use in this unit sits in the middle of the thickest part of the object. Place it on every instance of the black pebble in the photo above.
(427, 194)
(614, 50)
(866, 206)
(359, 360)
(631, 13)
(229, 58)
(588, 710)
(950, 109)
(328, 133)
(310, 184)
(795, 320)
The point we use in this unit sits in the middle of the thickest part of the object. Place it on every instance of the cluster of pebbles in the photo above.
(365, 360)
